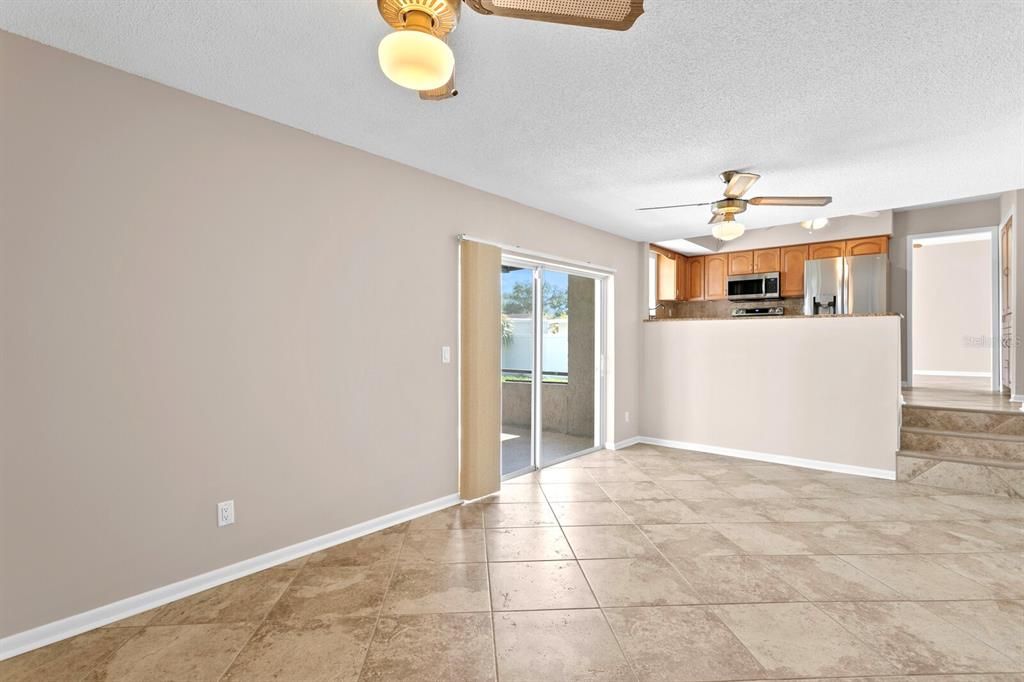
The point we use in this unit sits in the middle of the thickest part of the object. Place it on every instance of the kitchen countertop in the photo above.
(770, 317)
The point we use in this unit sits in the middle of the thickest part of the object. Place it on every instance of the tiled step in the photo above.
(963, 446)
(963, 420)
(980, 451)
(991, 477)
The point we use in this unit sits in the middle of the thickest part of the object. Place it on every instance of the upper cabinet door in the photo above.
(766, 260)
(716, 273)
(870, 246)
(792, 270)
(826, 250)
(666, 278)
(682, 277)
(695, 279)
(741, 262)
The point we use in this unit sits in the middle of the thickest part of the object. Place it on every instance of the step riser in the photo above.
(962, 448)
(975, 478)
(1007, 423)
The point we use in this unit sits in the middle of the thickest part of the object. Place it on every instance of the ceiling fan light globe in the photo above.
(415, 59)
(815, 224)
(727, 230)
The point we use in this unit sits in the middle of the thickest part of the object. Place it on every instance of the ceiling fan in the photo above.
(417, 56)
(738, 183)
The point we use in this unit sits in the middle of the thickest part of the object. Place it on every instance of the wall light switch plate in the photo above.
(627, 417)
(226, 513)
(446, 354)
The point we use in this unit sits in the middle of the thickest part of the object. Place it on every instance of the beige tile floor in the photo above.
(647, 564)
(968, 393)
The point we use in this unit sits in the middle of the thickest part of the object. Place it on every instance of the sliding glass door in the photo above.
(518, 352)
(551, 365)
(569, 388)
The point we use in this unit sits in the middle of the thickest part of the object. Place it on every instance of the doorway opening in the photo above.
(954, 318)
(552, 353)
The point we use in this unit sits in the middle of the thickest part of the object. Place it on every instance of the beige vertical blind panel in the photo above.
(480, 358)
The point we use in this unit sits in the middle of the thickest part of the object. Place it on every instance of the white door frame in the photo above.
(603, 385)
(996, 330)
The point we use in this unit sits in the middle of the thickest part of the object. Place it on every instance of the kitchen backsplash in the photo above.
(723, 309)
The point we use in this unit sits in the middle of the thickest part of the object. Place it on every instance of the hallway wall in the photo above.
(952, 307)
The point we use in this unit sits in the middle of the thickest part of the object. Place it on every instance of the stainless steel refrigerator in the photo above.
(845, 286)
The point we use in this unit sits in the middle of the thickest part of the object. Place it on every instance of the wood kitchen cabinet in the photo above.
(766, 260)
(791, 270)
(682, 277)
(826, 250)
(666, 276)
(869, 246)
(695, 278)
(716, 273)
(741, 262)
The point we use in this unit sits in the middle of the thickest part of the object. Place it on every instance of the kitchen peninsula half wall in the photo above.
(819, 392)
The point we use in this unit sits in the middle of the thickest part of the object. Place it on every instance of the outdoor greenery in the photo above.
(519, 300)
(506, 331)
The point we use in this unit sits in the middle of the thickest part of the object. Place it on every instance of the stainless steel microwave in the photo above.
(753, 287)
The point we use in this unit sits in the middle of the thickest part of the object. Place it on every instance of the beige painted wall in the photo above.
(909, 222)
(815, 388)
(200, 305)
(952, 307)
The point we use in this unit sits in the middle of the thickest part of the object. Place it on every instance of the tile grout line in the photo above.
(383, 599)
(490, 600)
(110, 656)
(263, 620)
(604, 616)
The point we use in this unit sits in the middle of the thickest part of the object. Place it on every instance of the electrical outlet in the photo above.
(627, 417)
(226, 513)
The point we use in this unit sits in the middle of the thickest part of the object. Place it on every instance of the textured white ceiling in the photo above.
(880, 103)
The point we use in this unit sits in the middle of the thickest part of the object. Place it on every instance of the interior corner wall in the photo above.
(909, 222)
(200, 305)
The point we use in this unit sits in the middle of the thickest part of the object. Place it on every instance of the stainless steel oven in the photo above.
(752, 287)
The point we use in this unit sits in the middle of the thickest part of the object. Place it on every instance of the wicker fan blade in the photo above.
(717, 218)
(739, 184)
(658, 208)
(616, 15)
(791, 201)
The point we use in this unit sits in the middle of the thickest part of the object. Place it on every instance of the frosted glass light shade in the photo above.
(727, 230)
(416, 60)
(815, 224)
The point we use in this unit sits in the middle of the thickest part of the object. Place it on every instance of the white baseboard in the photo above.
(626, 443)
(951, 373)
(89, 620)
(776, 459)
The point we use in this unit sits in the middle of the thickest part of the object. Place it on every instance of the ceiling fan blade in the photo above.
(616, 15)
(790, 201)
(739, 184)
(717, 218)
(658, 208)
